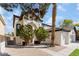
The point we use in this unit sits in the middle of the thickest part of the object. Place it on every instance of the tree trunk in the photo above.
(26, 42)
(53, 24)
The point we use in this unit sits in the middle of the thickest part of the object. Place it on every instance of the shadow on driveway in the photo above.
(33, 46)
(4, 54)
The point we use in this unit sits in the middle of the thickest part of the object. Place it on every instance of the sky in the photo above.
(64, 11)
(8, 17)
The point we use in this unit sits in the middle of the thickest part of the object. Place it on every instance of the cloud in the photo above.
(61, 8)
(17, 11)
(2, 11)
(76, 22)
(59, 17)
(49, 21)
(9, 17)
(58, 20)
(77, 7)
(8, 29)
(77, 4)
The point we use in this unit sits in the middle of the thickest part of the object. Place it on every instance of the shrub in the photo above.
(41, 34)
(26, 32)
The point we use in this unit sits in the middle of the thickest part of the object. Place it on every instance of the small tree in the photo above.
(41, 34)
(26, 32)
(76, 25)
(67, 24)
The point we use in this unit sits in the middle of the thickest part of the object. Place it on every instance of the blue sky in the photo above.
(64, 11)
(8, 17)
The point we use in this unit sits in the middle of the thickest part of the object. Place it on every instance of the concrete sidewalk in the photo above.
(63, 52)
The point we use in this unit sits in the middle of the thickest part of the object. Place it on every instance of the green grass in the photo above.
(75, 53)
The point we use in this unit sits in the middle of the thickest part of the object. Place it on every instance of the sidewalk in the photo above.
(63, 52)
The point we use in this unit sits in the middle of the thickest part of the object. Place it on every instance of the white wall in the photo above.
(2, 47)
(66, 37)
(62, 38)
(58, 38)
(2, 34)
(19, 40)
(73, 36)
(2, 28)
(14, 29)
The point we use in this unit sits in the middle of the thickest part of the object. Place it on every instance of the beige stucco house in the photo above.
(32, 20)
(2, 34)
(24, 20)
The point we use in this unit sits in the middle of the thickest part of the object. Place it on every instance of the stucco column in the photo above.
(34, 38)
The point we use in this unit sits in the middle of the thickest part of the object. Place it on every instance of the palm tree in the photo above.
(27, 7)
(53, 24)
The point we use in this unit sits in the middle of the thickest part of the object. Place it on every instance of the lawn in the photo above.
(75, 53)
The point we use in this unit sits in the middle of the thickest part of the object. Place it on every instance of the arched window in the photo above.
(18, 26)
(18, 29)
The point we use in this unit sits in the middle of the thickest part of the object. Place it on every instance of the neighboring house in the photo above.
(64, 37)
(2, 34)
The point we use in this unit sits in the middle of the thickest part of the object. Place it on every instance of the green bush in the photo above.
(41, 34)
(67, 24)
(76, 24)
(26, 32)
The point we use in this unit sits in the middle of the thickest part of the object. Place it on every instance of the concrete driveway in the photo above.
(26, 52)
(51, 51)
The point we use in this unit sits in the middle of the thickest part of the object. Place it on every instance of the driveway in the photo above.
(51, 51)
(26, 52)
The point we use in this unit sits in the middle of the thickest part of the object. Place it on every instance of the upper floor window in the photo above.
(18, 26)
(18, 29)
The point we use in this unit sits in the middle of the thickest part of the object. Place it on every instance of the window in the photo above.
(18, 29)
(18, 26)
